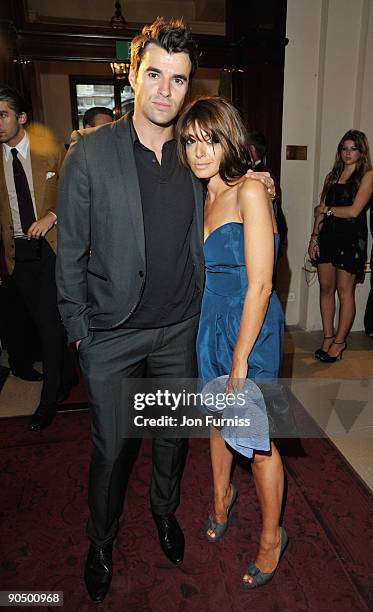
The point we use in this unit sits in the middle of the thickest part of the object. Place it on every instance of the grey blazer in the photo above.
(101, 261)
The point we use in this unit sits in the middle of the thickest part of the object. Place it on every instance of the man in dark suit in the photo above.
(18, 333)
(258, 150)
(258, 153)
(30, 164)
(130, 276)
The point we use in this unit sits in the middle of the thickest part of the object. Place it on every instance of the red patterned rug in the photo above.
(328, 515)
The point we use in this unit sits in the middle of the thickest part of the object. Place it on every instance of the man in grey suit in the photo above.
(130, 276)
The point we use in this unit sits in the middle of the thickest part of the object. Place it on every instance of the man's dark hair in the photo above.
(90, 114)
(173, 36)
(258, 140)
(13, 99)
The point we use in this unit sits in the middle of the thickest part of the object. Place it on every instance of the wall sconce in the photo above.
(120, 67)
(120, 71)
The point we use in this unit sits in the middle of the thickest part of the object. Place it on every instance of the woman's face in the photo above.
(349, 153)
(204, 156)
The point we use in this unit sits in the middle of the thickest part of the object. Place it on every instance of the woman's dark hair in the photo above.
(173, 36)
(13, 99)
(364, 162)
(223, 124)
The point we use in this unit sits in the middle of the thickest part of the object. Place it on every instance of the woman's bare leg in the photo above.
(328, 283)
(346, 295)
(221, 461)
(269, 482)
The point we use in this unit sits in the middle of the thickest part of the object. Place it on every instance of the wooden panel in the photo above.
(259, 49)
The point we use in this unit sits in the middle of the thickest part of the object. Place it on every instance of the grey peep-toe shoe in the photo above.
(220, 528)
(261, 578)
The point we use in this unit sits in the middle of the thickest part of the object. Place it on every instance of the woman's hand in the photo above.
(237, 377)
(313, 249)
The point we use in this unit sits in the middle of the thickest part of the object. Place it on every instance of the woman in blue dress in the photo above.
(241, 324)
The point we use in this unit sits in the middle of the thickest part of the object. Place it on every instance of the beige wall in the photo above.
(55, 92)
(56, 105)
(328, 89)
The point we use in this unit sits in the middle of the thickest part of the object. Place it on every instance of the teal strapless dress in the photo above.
(223, 299)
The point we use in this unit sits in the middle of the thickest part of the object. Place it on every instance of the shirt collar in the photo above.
(135, 137)
(22, 147)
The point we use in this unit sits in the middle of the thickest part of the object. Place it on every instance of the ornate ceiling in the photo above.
(204, 16)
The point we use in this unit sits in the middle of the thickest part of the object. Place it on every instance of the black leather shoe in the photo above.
(171, 537)
(42, 417)
(27, 373)
(98, 570)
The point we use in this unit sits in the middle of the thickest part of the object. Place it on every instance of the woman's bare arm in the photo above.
(361, 200)
(256, 212)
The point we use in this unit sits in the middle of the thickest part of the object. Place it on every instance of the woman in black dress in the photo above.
(338, 242)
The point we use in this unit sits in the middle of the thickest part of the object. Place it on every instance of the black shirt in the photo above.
(170, 293)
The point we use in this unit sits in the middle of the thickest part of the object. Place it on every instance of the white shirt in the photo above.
(23, 148)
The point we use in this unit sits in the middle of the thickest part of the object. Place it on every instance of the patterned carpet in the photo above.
(328, 515)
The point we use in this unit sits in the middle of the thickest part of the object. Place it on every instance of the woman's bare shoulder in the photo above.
(251, 193)
(251, 187)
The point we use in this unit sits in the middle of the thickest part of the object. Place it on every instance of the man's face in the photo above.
(100, 119)
(254, 154)
(160, 85)
(11, 126)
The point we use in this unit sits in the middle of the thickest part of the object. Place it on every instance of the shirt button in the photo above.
(141, 273)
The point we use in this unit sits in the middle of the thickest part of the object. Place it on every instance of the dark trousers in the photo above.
(107, 358)
(34, 278)
(18, 332)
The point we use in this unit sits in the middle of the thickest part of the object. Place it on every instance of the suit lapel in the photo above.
(129, 180)
(39, 170)
(5, 204)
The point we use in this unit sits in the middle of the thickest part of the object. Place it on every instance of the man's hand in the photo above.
(319, 210)
(42, 226)
(266, 179)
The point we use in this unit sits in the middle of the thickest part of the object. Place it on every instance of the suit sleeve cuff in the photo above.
(76, 330)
